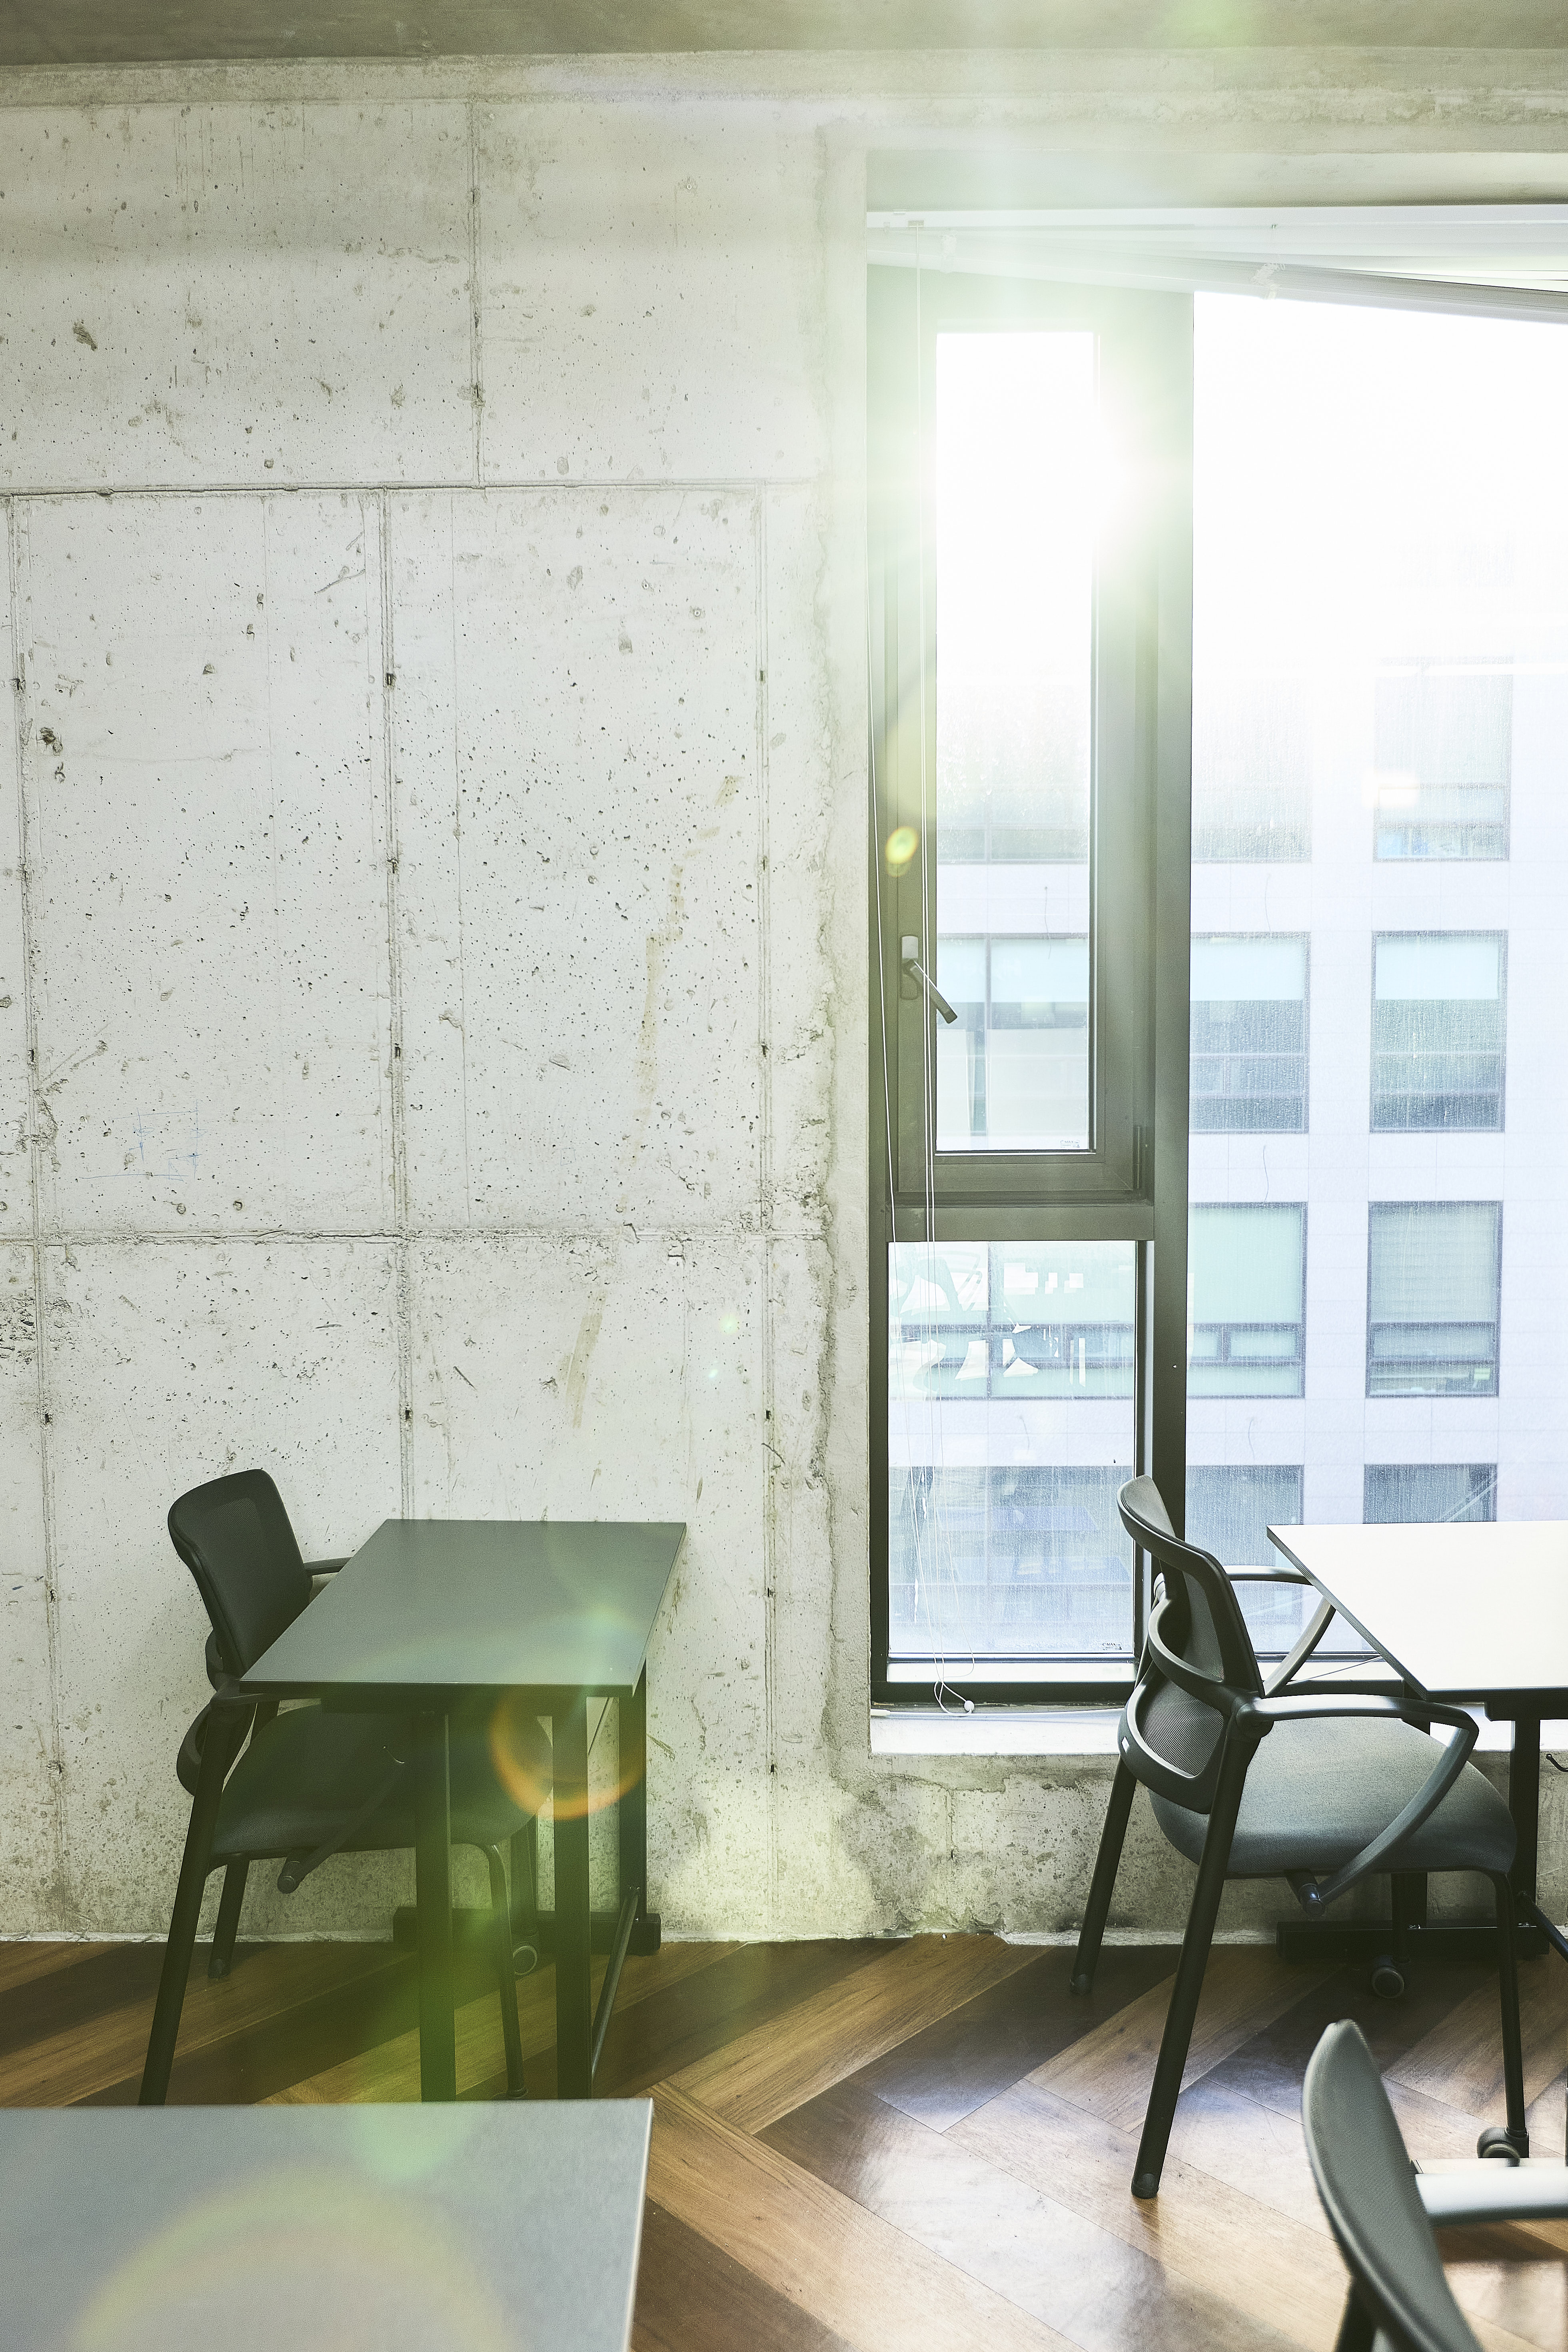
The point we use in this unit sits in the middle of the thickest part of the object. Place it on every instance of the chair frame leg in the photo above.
(1103, 1884)
(1185, 1994)
(501, 1929)
(227, 1926)
(1358, 2330)
(226, 1729)
(1512, 2038)
(525, 1866)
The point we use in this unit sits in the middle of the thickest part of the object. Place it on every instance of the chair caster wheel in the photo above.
(1494, 2142)
(524, 1960)
(1387, 1981)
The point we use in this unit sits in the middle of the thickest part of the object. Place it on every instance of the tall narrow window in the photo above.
(1444, 759)
(1437, 1030)
(1249, 1036)
(1245, 1276)
(1434, 1270)
(1017, 488)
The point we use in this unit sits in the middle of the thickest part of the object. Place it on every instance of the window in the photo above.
(1438, 1029)
(1019, 453)
(1423, 1493)
(1251, 799)
(1432, 1298)
(1010, 1388)
(1012, 1073)
(1246, 1273)
(1230, 1509)
(1249, 1035)
(1444, 759)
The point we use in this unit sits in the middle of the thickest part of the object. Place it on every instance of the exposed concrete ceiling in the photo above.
(134, 32)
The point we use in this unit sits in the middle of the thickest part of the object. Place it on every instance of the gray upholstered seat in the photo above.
(1319, 1791)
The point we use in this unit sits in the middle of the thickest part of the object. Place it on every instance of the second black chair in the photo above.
(312, 1783)
(1251, 1779)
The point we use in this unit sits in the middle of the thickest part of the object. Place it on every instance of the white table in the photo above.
(497, 2227)
(1462, 1612)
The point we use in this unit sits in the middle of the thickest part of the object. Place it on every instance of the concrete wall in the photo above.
(432, 924)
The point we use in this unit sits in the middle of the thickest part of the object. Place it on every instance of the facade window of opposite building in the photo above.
(1251, 786)
(1444, 759)
(1433, 1284)
(1231, 1507)
(1438, 1029)
(1406, 1494)
(1249, 1035)
(1247, 1282)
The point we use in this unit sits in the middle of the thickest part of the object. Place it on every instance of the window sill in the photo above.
(1067, 1731)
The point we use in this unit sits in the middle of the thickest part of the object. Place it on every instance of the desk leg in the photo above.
(574, 1924)
(1524, 1804)
(631, 1814)
(433, 1885)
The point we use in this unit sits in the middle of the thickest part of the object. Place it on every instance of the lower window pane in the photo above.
(1230, 1509)
(1009, 1431)
(1422, 1493)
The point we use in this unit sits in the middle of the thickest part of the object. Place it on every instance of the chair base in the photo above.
(1308, 1941)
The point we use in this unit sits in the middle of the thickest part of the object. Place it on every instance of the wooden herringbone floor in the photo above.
(896, 2147)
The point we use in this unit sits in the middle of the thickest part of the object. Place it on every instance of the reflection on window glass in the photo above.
(1251, 787)
(1437, 1030)
(1010, 1431)
(1230, 1508)
(1019, 485)
(1432, 1298)
(1246, 1272)
(1249, 1035)
(1426, 1493)
(1012, 1072)
(1444, 759)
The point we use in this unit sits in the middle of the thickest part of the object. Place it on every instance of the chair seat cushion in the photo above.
(1318, 1791)
(302, 1780)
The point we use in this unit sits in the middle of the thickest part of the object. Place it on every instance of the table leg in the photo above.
(631, 1812)
(1524, 1804)
(433, 1895)
(574, 1924)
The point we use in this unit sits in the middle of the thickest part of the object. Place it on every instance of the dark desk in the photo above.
(1462, 1612)
(503, 2229)
(435, 1614)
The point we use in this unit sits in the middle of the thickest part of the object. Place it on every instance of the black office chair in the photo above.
(1399, 2299)
(312, 1782)
(1252, 1780)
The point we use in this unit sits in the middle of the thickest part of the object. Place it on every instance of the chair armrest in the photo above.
(327, 1567)
(1290, 1665)
(1495, 2192)
(1267, 1576)
(1300, 1708)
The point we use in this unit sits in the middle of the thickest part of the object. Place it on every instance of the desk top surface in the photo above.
(497, 2227)
(1464, 1610)
(448, 1605)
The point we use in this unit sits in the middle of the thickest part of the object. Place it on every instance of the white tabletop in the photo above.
(1464, 1610)
(498, 2227)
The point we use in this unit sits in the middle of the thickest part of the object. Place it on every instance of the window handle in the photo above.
(915, 971)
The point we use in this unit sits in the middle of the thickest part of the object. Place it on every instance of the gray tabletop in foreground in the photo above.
(432, 1605)
(415, 2229)
(1464, 1610)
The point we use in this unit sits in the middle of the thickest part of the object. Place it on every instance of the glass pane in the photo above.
(1438, 1033)
(1380, 707)
(1249, 1035)
(1230, 1508)
(1010, 1430)
(1018, 477)
(1244, 1301)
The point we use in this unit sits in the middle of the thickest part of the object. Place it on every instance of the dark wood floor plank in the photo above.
(1079, 2278)
(1269, 2066)
(1460, 2059)
(1005, 2032)
(86, 2060)
(29, 1957)
(909, 1986)
(105, 1978)
(739, 1995)
(694, 2297)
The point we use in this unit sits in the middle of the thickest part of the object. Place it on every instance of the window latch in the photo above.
(915, 971)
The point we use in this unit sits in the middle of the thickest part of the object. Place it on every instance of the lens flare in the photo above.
(520, 1754)
(902, 844)
(309, 2255)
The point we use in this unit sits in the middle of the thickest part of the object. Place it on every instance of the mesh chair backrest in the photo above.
(1369, 2193)
(1212, 1635)
(234, 1536)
